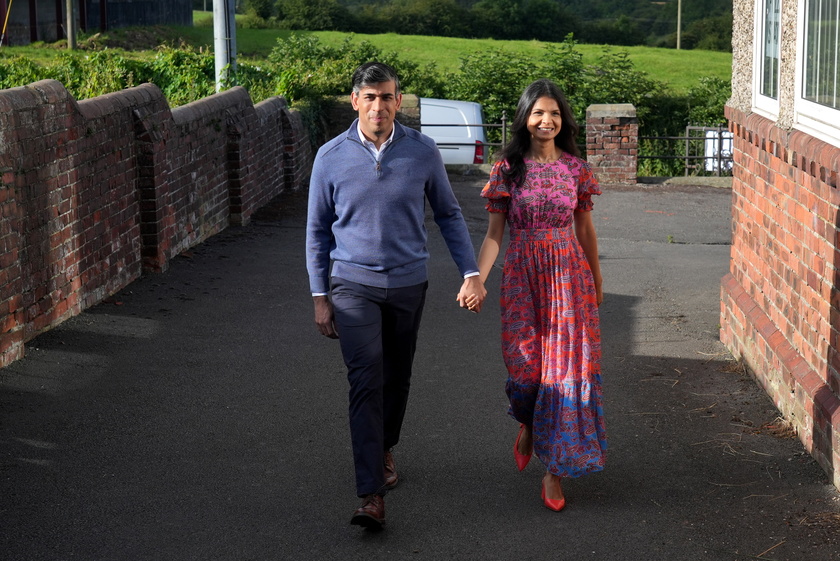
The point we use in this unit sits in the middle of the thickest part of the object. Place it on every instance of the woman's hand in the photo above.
(472, 294)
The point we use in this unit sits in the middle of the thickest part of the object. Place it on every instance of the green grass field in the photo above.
(679, 70)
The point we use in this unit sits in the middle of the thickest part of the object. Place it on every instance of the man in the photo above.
(366, 257)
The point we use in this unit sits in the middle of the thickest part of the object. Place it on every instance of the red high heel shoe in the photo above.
(554, 504)
(521, 459)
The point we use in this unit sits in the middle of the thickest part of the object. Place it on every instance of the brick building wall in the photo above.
(780, 302)
(45, 20)
(124, 13)
(94, 192)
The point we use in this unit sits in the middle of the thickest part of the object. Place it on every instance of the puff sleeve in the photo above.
(496, 191)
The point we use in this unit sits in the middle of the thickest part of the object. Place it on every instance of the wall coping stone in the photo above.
(605, 110)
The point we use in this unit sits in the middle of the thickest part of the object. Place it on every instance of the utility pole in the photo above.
(71, 25)
(679, 22)
(224, 31)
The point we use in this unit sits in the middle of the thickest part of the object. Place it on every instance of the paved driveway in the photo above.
(198, 415)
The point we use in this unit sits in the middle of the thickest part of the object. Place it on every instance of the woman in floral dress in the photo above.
(550, 290)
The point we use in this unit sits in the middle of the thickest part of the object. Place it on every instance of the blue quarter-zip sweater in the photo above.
(367, 217)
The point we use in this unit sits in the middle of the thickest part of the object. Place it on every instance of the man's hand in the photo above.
(324, 317)
(472, 294)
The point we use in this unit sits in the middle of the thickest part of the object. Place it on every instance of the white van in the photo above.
(457, 134)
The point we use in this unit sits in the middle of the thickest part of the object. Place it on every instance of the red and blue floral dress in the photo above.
(551, 340)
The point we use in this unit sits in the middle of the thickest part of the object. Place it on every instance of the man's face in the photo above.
(377, 105)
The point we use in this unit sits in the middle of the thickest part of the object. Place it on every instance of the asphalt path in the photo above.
(198, 415)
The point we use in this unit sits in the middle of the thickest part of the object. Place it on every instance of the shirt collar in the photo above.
(367, 142)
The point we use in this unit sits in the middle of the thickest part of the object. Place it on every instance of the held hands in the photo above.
(472, 294)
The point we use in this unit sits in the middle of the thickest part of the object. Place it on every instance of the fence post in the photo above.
(612, 142)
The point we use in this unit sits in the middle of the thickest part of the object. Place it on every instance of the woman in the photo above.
(550, 290)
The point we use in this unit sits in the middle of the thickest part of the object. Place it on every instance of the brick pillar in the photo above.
(157, 222)
(612, 142)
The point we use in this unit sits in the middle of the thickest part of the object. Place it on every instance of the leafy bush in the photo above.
(616, 80)
(308, 69)
(183, 74)
(313, 15)
(702, 106)
(307, 72)
(263, 9)
(706, 102)
(496, 80)
(19, 71)
(97, 73)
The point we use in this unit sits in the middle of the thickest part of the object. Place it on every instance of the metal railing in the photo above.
(706, 150)
(503, 125)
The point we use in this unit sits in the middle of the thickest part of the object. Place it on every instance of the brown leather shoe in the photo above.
(391, 477)
(371, 514)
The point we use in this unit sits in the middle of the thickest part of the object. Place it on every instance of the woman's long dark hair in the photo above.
(520, 142)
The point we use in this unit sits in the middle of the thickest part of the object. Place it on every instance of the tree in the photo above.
(426, 17)
(499, 19)
(314, 15)
(547, 20)
(620, 31)
(261, 8)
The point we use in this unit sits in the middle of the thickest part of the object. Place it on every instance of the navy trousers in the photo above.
(377, 330)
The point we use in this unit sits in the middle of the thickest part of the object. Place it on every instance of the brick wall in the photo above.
(94, 192)
(612, 142)
(780, 303)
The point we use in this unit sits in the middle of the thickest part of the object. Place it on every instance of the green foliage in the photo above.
(263, 9)
(543, 20)
(252, 21)
(702, 106)
(184, 74)
(260, 82)
(547, 20)
(656, 167)
(706, 24)
(445, 18)
(613, 31)
(497, 79)
(313, 15)
(309, 69)
(318, 70)
(84, 75)
(96, 73)
(710, 34)
(615, 79)
(18, 71)
(706, 102)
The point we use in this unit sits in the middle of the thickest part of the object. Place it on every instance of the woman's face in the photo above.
(545, 120)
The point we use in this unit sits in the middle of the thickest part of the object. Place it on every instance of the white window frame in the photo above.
(820, 121)
(763, 104)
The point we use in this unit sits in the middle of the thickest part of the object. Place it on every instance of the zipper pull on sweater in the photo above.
(378, 169)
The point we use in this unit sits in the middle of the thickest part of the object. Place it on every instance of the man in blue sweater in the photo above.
(366, 257)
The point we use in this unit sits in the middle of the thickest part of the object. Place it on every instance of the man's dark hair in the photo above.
(371, 73)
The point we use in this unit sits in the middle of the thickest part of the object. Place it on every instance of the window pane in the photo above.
(770, 50)
(822, 41)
